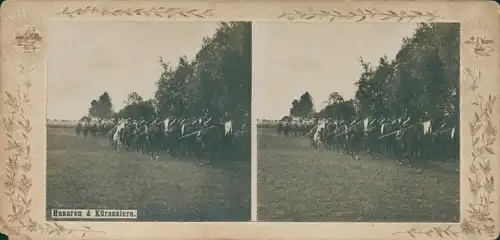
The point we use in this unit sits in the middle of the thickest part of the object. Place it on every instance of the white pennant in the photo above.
(166, 124)
(382, 128)
(453, 133)
(228, 127)
(427, 127)
(365, 123)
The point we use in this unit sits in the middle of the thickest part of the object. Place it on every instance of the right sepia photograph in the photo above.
(357, 122)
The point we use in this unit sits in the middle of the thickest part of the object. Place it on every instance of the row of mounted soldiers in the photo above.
(403, 138)
(295, 126)
(201, 137)
(94, 127)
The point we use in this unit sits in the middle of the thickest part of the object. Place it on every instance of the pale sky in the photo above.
(86, 58)
(291, 58)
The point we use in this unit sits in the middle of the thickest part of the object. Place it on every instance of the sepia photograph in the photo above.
(357, 122)
(148, 121)
(194, 120)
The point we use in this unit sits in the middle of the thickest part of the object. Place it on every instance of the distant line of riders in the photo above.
(403, 138)
(201, 137)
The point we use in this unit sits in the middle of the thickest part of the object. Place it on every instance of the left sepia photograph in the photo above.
(148, 121)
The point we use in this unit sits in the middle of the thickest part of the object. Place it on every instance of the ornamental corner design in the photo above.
(24, 38)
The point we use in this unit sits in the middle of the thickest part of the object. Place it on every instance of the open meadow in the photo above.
(88, 174)
(296, 183)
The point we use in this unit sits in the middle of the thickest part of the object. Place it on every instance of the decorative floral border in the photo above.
(483, 135)
(483, 131)
(18, 150)
(359, 14)
(153, 11)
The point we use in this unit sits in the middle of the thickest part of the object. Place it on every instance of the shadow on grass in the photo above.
(88, 174)
(298, 184)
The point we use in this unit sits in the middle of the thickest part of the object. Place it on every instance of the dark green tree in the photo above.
(421, 82)
(102, 107)
(137, 109)
(217, 80)
(304, 107)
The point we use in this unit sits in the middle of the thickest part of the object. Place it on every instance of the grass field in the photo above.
(298, 184)
(88, 174)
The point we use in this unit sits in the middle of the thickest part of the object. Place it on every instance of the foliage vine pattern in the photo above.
(359, 14)
(17, 129)
(483, 135)
(160, 12)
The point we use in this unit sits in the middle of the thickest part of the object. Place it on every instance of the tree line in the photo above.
(302, 107)
(421, 82)
(216, 82)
